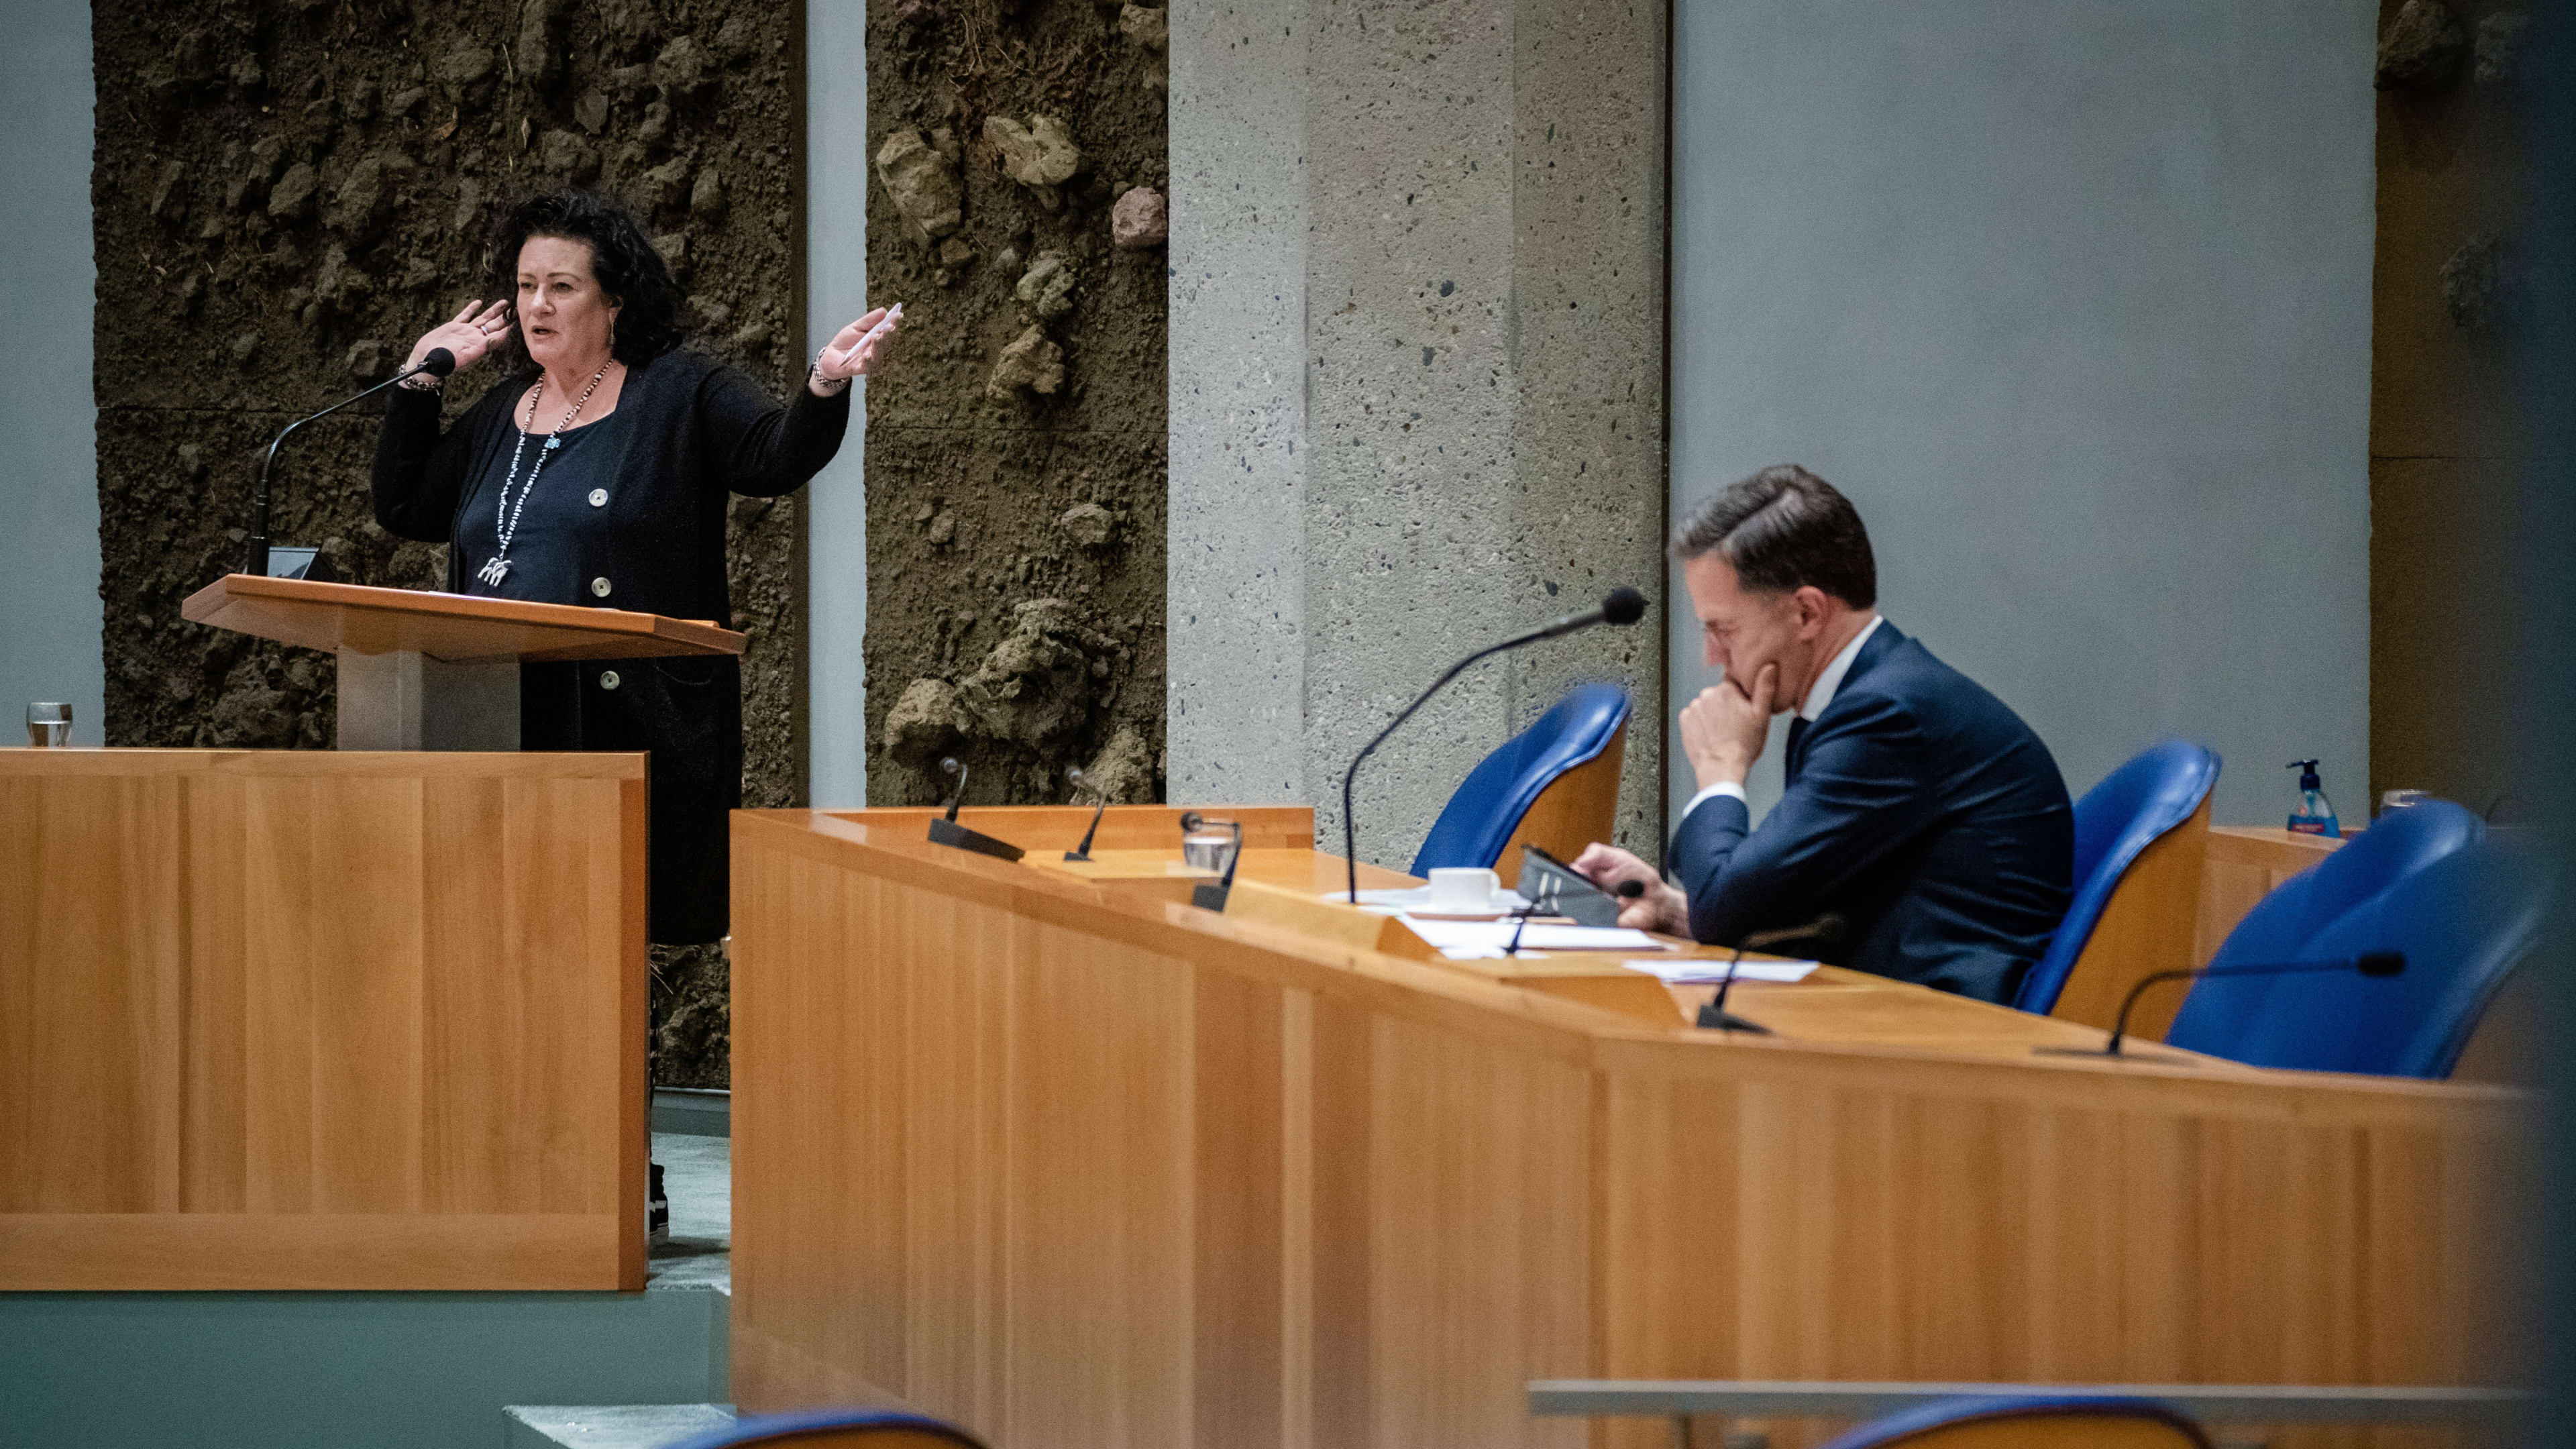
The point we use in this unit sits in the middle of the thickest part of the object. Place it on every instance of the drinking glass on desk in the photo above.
(1208, 844)
(49, 725)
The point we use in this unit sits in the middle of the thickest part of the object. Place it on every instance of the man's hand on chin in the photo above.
(1723, 730)
(1661, 908)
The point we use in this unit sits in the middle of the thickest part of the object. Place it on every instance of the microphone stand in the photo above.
(255, 560)
(1827, 927)
(1082, 852)
(1622, 607)
(946, 831)
(1350, 832)
(2368, 963)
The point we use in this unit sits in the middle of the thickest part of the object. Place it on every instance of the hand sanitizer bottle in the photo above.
(2315, 816)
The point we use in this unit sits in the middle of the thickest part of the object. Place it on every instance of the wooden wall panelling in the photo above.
(1908, 1229)
(322, 1020)
(89, 1122)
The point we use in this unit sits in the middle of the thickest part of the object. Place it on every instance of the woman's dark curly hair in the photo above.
(621, 257)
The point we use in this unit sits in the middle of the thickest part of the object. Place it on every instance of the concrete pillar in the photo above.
(1416, 389)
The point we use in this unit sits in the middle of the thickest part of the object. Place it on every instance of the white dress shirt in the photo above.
(1819, 695)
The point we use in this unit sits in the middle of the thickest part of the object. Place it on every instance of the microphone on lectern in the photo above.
(1623, 606)
(438, 363)
(2368, 963)
(1827, 929)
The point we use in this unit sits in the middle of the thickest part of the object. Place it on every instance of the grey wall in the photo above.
(1415, 388)
(836, 289)
(2073, 299)
(49, 646)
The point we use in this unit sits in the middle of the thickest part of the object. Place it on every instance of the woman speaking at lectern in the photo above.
(595, 473)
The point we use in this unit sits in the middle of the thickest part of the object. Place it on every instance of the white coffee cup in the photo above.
(1463, 888)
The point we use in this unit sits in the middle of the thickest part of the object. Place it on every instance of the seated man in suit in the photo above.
(1918, 807)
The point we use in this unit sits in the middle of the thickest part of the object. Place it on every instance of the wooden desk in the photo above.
(1077, 1164)
(310, 1019)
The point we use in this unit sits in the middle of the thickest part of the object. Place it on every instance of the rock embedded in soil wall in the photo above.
(2422, 46)
(921, 182)
(1040, 155)
(1032, 361)
(1139, 220)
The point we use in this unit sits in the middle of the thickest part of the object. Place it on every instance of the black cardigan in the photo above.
(695, 431)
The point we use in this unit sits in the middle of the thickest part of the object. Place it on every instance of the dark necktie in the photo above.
(1797, 733)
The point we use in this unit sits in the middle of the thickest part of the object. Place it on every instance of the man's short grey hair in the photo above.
(1781, 530)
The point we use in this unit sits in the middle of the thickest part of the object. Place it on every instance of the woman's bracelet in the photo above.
(823, 386)
(422, 382)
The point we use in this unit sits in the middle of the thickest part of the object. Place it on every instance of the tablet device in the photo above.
(1554, 888)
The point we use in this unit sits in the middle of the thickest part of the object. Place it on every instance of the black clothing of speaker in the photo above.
(688, 431)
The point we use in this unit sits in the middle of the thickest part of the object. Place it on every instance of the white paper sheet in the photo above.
(1701, 972)
(1486, 940)
(1401, 899)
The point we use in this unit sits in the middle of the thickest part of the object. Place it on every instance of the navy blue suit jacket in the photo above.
(1918, 807)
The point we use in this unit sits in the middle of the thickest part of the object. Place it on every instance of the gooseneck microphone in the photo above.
(944, 829)
(1827, 928)
(1623, 606)
(2368, 963)
(439, 362)
(1083, 851)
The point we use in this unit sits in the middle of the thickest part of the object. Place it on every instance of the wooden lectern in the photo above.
(354, 1019)
(424, 671)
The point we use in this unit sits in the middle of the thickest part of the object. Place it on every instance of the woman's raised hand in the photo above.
(469, 334)
(852, 352)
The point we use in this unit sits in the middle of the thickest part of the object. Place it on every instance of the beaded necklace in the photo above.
(497, 567)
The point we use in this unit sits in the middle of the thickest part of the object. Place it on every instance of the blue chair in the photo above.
(1501, 791)
(2464, 922)
(830, 1428)
(2115, 822)
(2282, 924)
(2032, 1421)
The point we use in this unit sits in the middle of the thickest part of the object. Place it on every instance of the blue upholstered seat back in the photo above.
(1481, 816)
(892, 1428)
(2463, 921)
(2282, 924)
(2114, 824)
(2072, 1413)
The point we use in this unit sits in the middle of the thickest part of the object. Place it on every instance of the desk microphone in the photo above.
(439, 363)
(946, 831)
(1623, 606)
(2368, 963)
(1083, 851)
(1827, 928)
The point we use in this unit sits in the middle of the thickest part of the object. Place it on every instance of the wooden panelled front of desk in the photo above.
(1077, 1164)
(301, 1019)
